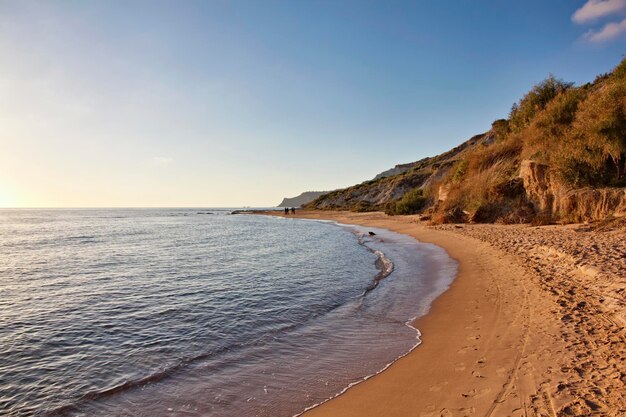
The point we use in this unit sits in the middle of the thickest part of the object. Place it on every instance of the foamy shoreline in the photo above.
(386, 268)
(518, 331)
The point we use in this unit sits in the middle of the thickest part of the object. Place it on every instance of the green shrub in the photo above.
(601, 125)
(562, 110)
(412, 202)
(579, 173)
(501, 129)
(459, 171)
(482, 158)
(523, 112)
(362, 207)
(548, 137)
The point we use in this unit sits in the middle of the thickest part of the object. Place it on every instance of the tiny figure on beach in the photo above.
(286, 210)
(293, 210)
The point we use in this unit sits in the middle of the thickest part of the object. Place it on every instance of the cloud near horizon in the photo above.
(595, 9)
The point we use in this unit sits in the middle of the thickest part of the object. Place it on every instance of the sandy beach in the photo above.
(532, 326)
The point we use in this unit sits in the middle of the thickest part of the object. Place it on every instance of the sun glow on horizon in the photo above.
(7, 198)
(220, 104)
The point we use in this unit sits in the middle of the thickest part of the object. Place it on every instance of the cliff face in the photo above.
(541, 191)
(560, 156)
(550, 198)
(390, 186)
(535, 191)
(397, 170)
(304, 198)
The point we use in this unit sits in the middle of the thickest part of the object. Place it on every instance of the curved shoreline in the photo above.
(533, 324)
(385, 271)
(343, 391)
(472, 338)
(384, 265)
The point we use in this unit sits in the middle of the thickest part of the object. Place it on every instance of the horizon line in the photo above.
(130, 207)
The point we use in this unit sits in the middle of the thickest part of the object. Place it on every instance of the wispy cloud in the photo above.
(161, 160)
(595, 9)
(608, 32)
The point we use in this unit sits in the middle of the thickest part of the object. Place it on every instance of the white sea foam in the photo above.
(445, 269)
(418, 342)
(149, 310)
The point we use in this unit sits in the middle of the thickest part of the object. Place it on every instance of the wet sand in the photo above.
(532, 326)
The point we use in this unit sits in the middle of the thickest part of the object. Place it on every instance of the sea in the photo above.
(200, 312)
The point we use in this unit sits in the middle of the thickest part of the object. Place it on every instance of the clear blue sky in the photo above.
(229, 103)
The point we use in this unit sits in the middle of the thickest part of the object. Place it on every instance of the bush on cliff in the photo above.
(579, 133)
(412, 202)
(362, 207)
(523, 112)
(600, 127)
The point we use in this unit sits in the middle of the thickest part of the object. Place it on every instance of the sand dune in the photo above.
(533, 326)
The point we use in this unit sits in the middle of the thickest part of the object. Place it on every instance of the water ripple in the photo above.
(160, 312)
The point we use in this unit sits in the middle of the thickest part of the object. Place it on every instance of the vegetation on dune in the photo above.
(578, 132)
(490, 178)
(581, 133)
(600, 129)
(523, 112)
(412, 202)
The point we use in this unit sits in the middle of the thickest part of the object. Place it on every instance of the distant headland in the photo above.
(304, 198)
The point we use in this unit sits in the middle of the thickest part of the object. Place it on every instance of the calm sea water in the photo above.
(157, 312)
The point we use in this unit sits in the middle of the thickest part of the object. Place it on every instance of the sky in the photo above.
(241, 103)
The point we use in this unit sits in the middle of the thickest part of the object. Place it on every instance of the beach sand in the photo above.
(532, 326)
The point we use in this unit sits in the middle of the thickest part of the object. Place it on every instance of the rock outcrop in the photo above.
(541, 191)
(387, 187)
(537, 186)
(593, 204)
(304, 198)
(397, 170)
(550, 198)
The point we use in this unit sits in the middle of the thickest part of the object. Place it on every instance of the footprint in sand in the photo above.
(444, 412)
(463, 350)
(482, 392)
(469, 394)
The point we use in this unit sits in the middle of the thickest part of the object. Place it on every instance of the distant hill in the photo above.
(559, 156)
(304, 198)
(398, 169)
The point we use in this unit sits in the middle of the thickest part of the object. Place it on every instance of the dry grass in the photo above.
(479, 179)
(480, 190)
